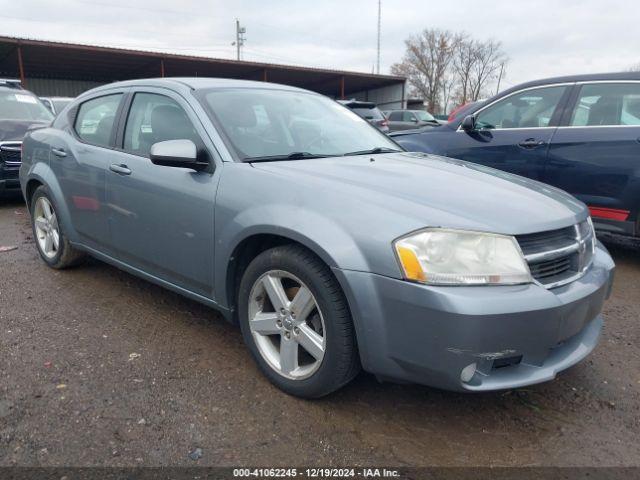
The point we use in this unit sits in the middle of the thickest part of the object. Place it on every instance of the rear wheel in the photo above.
(52, 243)
(296, 322)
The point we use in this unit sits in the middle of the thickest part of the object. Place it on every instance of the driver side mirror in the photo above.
(176, 153)
(469, 123)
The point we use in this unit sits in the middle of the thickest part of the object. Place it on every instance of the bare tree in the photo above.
(635, 68)
(426, 64)
(487, 63)
(463, 64)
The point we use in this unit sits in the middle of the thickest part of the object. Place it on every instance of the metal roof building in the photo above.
(64, 69)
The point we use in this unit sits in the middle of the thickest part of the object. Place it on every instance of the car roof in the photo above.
(592, 77)
(197, 83)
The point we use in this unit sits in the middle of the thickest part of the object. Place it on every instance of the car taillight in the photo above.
(384, 123)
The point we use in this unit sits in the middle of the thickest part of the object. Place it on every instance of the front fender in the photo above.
(320, 234)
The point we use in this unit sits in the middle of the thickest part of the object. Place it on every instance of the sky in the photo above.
(542, 38)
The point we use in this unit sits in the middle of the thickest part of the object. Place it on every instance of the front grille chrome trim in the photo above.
(551, 254)
(13, 147)
(574, 258)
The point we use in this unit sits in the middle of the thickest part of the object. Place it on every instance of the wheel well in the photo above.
(32, 185)
(242, 256)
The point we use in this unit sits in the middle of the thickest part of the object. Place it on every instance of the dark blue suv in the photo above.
(579, 133)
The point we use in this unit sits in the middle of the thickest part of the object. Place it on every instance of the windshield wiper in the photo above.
(372, 151)
(289, 156)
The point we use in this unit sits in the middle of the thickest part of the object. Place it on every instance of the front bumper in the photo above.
(515, 335)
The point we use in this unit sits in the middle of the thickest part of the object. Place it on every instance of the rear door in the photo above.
(162, 218)
(80, 157)
(513, 133)
(595, 154)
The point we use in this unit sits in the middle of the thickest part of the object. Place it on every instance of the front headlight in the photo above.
(457, 257)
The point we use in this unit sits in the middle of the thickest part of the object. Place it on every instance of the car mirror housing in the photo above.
(175, 153)
(469, 123)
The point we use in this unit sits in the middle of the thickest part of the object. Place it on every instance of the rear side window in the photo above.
(605, 104)
(96, 118)
(395, 116)
(156, 118)
(528, 109)
(408, 117)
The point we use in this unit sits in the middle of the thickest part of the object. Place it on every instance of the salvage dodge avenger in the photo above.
(332, 247)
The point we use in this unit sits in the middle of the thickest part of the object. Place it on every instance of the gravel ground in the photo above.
(98, 367)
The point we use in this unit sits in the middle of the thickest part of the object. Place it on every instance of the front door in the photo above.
(595, 154)
(514, 133)
(162, 218)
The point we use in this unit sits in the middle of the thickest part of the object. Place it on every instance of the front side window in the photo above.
(603, 104)
(19, 105)
(275, 123)
(156, 118)
(528, 109)
(96, 118)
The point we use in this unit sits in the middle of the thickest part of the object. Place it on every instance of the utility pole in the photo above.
(500, 77)
(379, 28)
(240, 38)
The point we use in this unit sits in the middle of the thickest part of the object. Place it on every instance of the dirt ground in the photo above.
(98, 367)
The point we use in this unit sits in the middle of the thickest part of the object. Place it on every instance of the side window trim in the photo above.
(517, 92)
(114, 129)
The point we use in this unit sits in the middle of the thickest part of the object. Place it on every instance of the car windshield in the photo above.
(275, 124)
(424, 116)
(20, 105)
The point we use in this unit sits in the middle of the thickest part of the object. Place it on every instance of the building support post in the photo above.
(264, 75)
(162, 67)
(23, 80)
(342, 87)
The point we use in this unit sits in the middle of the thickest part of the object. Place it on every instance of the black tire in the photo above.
(341, 362)
(66, 256)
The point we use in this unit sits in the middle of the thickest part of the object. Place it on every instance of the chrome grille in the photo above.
(558, 256)
(11, 153)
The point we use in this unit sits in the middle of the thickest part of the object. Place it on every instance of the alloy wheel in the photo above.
(46, 227)
(287, 324)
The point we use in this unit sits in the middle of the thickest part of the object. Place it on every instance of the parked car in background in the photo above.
(578, 133)
(369, 111)
(56, 104)
(460, 110)
(328, 244)
(410, 119)
(19, 110)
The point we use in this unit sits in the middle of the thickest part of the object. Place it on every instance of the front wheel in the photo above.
(296, 322)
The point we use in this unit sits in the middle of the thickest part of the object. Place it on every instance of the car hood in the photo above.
(14, 130)
(435, 191)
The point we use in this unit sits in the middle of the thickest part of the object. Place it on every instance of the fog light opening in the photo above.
(468, 372)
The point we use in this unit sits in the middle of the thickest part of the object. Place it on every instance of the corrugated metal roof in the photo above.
(46, 59)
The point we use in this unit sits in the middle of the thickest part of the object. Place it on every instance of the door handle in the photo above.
(59, 152)
(120, 169)
(530, 143)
